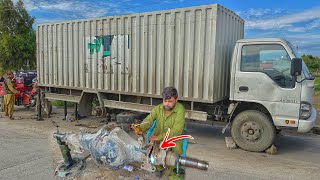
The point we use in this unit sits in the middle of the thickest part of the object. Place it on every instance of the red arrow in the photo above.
(168, 143)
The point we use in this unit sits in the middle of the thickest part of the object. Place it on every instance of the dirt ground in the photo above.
(26, 121)
(298, 157)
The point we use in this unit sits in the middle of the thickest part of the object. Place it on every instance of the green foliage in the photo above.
(58, 103)
(17, 38)
(317, 84)
(312, 62)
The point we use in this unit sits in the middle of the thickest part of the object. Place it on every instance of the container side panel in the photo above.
(46, 54)
(76, 54)
(127, 60)
(151, 54)
(160, 52)
(50, 67)
(94, 61)
(207, 66)
(40, 54)
(168, 50)
(197, 52)
(82, 55)
(178, 52)
(71, 49)
(107, 62)
(121, 53)
(89, 52)
(55, 55)
(65, 55)
(100, 55)
(60, 53)
(228, 28)
(189, 53)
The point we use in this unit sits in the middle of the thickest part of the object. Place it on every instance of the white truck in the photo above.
(256, 85)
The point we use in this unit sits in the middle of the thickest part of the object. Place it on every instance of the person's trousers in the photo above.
(9, 104)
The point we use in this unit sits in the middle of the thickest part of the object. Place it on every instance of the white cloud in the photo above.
(63, 6)
(287, 21)
(47, 20)
(74, 9)
(257, 12)
(314, 24)
(307, 43)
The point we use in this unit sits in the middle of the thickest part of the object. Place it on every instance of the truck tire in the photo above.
(253, 131)
(1, 104)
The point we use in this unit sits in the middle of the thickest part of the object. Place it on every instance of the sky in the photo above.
(296, 20)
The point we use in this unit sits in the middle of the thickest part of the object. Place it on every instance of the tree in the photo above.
(312, 62)
(17, 37)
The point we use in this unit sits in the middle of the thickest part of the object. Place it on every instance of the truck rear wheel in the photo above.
(253, 131)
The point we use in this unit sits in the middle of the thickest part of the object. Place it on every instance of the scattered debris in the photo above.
(74, 170)
(128, 168)
(70, 117)
(120, 177)
(86, 125)
(316, 130)
(272, 150)
(230, 143)
(110, 126)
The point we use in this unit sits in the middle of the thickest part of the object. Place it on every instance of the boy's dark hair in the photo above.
(169, 92)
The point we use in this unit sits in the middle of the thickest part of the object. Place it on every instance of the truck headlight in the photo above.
(305, 110)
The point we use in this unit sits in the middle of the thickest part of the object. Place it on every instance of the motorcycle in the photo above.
(26, 95)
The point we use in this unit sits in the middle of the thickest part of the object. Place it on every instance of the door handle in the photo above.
(243, 89)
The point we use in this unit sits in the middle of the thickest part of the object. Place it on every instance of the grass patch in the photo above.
(317, 84)
(59, 103)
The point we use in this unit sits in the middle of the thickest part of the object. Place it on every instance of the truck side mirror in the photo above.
(296, 66)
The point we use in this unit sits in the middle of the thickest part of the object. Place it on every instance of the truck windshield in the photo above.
(305, 69)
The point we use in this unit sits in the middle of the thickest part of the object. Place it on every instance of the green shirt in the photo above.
(175, 121)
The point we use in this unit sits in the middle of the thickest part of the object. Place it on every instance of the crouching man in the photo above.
(169, 114)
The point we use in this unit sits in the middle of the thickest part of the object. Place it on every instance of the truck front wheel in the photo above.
(253, 131)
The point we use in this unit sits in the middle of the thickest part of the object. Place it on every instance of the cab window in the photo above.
(271, 59)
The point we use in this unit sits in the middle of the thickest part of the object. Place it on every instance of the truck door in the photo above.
(263, 76)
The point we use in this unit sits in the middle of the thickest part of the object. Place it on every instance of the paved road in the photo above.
(23, 154)
(298, 157)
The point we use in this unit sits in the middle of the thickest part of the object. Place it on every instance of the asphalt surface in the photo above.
(23, 154)
(297, 158)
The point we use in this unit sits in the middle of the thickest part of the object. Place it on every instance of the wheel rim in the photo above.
(251, 131)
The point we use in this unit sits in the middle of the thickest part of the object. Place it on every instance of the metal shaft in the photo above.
(65, 110)
(39, 118)
(194, 163)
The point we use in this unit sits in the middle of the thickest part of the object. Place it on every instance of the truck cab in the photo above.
(270, 82)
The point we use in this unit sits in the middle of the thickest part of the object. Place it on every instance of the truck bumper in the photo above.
(306, 125)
